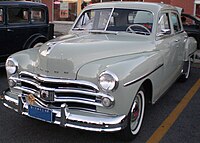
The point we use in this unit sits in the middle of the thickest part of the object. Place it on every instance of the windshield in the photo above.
(127, 20)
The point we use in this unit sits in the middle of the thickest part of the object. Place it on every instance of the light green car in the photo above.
(118, 57)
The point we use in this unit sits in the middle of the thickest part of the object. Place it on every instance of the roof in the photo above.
(17, 3)
(132, 5)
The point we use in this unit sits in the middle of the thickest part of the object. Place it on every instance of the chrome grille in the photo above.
(56, 91)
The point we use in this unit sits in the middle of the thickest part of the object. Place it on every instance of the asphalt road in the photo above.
(15, 128)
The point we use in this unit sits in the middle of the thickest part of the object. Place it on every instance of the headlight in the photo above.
(108, 81)
(11, 66)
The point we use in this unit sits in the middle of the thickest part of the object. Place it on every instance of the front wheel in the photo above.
(135, 116)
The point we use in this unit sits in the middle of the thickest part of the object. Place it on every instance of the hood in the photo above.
(67, 54)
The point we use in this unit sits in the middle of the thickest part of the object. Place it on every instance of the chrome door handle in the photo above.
(176, 40)
(10, 30)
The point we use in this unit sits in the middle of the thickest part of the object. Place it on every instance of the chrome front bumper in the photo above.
(65, 117)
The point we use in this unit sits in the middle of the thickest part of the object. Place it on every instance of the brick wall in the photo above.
(158, 1)
(49, 3)
(188, 5)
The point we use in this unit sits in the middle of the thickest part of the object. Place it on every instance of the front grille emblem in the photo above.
(44, 94)
(47, 95)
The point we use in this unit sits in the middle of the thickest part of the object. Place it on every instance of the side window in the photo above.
(163, 25)
(175, 22)
(37, 15)
(17, 15)
(1, 15)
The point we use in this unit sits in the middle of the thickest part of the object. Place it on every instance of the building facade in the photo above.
(68, 10)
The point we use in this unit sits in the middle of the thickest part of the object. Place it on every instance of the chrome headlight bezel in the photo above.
(11, 66)
(108, 81)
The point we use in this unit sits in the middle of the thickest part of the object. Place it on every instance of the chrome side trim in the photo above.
(142, 77)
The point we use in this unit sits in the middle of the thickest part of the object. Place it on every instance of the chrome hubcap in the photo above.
(135, 112)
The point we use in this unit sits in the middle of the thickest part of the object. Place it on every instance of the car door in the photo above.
(3, 39)
(179, 39)
(17, 27)
(39, 21)
(166, 45)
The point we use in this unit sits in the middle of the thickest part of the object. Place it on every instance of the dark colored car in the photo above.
(23, 25)
(191, 25)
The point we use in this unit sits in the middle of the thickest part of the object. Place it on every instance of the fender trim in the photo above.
(142, 77)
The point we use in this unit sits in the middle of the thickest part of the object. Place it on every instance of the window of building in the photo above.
(17, 15)
(37, 15)
(65, 10)
(198, 10)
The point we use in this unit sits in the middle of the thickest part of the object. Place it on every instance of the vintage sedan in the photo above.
(23, 25)
(117, 58)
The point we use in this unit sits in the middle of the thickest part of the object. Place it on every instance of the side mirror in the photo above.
(163, 32)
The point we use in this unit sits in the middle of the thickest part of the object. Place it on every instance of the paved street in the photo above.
(15, 128)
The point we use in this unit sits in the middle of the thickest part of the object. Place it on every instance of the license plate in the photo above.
(40, 113)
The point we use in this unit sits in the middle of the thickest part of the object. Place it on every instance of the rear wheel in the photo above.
(135, 116)
(186, 70)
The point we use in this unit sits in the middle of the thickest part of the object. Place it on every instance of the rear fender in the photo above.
(190, 48)
(34, 39)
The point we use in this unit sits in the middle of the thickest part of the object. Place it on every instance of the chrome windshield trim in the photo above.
(109, 19)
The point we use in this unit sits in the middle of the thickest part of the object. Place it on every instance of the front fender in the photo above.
(132, 71)
(26, 59)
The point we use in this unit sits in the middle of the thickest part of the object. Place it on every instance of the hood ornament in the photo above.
(50, 45)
